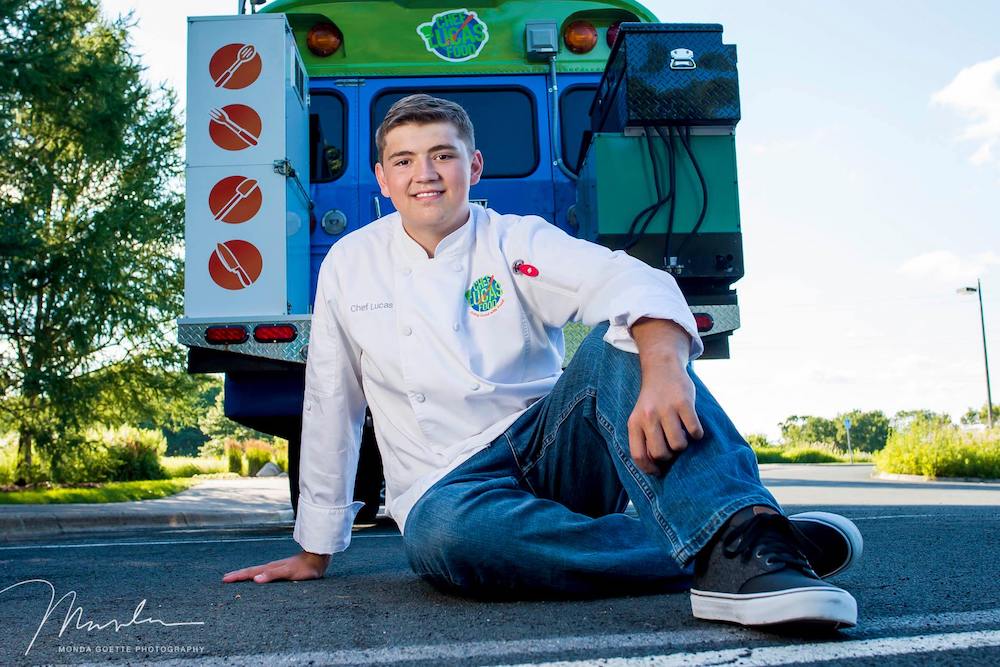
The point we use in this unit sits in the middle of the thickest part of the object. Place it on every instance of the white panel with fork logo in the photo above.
(246, 247)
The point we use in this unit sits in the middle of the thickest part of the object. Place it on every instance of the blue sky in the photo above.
(869, 159)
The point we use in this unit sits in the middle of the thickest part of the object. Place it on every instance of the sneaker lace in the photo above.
(771, 536)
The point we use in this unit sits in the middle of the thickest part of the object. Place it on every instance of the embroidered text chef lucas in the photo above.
(506, 475)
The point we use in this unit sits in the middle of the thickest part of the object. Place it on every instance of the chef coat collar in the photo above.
(455, 243)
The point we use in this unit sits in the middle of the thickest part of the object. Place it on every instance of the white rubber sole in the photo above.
(843, 525)
(795, 605)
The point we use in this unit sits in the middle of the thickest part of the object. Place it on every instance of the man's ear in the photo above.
(380, 177)
(477, 168)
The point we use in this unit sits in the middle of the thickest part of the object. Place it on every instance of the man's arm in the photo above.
(664, 414)
(333, 412)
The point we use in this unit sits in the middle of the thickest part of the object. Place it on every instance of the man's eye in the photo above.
(445, 156)
(402, 163)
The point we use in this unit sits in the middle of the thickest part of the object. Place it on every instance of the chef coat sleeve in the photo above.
(584, 282)
(333, 412)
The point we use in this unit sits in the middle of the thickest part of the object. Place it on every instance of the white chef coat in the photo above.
(448, 351)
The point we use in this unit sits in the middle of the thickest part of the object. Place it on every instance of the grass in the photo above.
(812, 453)
(112, 492)
(189, 466)
(940, 451)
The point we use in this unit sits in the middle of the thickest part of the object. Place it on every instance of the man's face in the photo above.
(426, 171)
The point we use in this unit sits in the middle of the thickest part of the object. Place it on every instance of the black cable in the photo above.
(686, 142)
(668, 140)
(650, 211)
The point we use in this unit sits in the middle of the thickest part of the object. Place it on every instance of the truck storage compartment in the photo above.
(668, 74)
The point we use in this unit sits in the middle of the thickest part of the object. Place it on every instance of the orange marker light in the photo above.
(324, 39)
(580, 36)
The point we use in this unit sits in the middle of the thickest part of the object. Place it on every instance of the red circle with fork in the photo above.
(235, 199)
(235, 265)
(234, 127)
(235, 66)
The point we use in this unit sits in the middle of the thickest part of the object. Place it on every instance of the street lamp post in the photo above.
(978, 289)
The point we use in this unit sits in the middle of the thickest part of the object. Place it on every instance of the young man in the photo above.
(506, 476)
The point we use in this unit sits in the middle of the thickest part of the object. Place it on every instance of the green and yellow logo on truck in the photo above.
(456, 35)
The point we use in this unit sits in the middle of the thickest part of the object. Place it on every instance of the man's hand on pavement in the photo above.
(299, 567)
(664, 414)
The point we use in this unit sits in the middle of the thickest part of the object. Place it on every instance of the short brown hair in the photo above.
(423, 109)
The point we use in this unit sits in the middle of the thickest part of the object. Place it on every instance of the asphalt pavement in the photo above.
(927, 589)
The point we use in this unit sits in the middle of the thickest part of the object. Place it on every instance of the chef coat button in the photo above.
(455, 326)
(420, 398)
(458, 267)
(407, 271)
(475, 386)
(407, 331)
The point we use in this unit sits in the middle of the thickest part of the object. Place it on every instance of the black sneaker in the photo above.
(754, 573)
(830, 542)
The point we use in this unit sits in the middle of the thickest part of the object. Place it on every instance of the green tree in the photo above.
(973, 416)
(90, 227)
(869, 430)
(804, 429)
(904, 419)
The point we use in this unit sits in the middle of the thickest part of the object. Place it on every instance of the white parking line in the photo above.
(799, 653)
(805, 652)
(88, 545)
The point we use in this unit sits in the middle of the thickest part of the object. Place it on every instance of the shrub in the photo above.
(8, 458)
(134, 454)
(258, 453)
(758, 440)
(281, 460)
(213, 449)
(234, 456)
(256, 458)
(189, 466)
(86, 459)
(814, 452)
(936, 450)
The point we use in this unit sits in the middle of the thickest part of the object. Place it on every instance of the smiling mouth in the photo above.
(428, 195)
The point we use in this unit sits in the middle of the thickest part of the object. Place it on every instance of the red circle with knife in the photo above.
(235, 199)
(235, 265)
(235, 66)
(234, 127)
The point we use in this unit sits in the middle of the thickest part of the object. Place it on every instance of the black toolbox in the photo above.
(667, 74)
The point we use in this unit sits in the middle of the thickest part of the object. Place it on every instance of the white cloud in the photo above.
(975, 94)
(947, 266)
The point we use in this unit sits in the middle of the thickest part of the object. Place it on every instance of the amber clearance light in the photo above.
(324, 39)
(580, 36)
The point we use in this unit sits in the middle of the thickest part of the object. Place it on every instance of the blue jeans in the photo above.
(540, 511)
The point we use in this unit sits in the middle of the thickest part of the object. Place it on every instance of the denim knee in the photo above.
(435, 547)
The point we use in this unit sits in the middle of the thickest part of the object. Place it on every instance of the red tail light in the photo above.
(704, 321)
(613, 32)
(275, 333)
(580, 36)
(231, 335)
(324, 39)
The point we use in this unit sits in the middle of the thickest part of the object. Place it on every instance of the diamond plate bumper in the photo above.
(191, 332)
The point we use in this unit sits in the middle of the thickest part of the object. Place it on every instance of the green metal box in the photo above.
(616, 184)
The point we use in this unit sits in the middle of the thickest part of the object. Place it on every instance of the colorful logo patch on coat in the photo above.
(456, 35)
(485, 296)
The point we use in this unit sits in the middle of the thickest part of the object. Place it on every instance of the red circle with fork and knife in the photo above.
(235, 199)
(235, 66)
(235, 265)
(234, 127)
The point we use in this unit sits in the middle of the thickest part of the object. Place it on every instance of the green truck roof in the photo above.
(424, 38)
